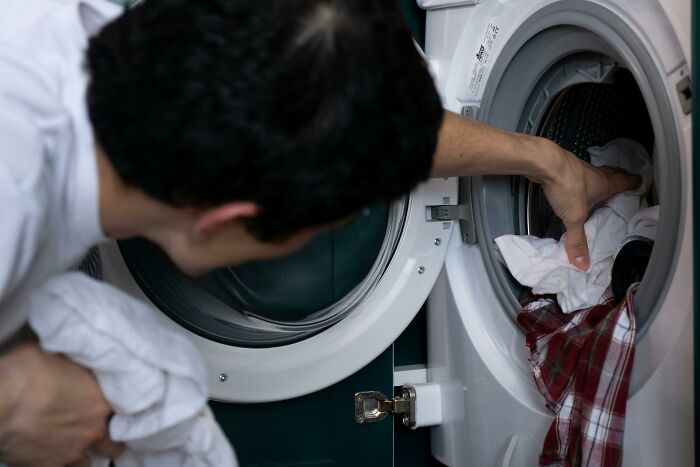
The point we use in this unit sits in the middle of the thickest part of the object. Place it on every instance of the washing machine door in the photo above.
(274, 330)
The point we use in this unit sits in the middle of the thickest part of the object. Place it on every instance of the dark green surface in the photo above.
(416, 19)
(315, 430)
(411, 348)
(412, 447)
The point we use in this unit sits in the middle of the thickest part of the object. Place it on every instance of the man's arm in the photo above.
(572, 186)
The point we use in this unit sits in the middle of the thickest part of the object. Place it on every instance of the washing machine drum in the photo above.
(580, 116)
(277, 302)
(584, 116)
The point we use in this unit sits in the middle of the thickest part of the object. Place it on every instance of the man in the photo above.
(223, 131)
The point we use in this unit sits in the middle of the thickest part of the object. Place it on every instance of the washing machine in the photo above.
(580, 72)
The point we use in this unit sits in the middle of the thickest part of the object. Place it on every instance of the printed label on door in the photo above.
(483, 56)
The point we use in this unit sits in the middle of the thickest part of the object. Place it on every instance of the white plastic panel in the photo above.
(679, 14)
(461, 41)
(665, 24)
(428, 405)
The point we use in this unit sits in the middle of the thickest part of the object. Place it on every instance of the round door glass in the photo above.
(275, 302)
(580, 93)
(294, 287)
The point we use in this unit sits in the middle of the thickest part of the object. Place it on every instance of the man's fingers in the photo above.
(577, 246)
(620, 180)
(108, 448)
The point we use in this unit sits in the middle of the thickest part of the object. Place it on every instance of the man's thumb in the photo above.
(577, 247)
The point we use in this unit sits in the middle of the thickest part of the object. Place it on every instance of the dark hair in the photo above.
(311, 108)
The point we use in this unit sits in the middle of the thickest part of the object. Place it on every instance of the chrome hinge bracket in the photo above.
(373, 406)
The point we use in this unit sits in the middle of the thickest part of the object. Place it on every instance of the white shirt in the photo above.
(49, 195)
(49, 218)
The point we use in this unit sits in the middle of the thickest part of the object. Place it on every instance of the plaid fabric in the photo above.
(581, 363)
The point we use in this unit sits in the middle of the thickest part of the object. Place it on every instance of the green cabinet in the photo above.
(315, 430)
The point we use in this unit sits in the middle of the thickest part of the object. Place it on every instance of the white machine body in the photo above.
(492, 411)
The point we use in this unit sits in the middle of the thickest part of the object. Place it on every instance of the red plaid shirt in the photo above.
(581, 363)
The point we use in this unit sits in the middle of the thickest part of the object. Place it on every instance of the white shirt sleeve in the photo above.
(25, 193)
(28, 105)
(49, 209)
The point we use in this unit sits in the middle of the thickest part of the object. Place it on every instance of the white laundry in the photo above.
(643, 225)
(542, 264)
(152, 375)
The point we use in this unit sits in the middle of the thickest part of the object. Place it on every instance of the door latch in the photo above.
(461, 212)
(373, 406)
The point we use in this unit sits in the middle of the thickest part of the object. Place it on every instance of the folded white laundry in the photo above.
(542, 264)
(151, 374)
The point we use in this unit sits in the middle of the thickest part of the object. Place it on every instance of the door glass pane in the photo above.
(278, 301)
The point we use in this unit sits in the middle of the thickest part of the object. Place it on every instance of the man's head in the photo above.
(280, 115)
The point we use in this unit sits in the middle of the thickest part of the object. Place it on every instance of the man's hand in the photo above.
(52, 411)
(572, 188)
(467, 147)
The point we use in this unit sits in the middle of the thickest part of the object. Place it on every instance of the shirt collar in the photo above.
(93, 16)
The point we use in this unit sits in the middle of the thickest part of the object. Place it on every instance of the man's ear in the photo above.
(214, 218)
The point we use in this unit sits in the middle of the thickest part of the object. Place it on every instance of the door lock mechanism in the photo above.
(373, 406)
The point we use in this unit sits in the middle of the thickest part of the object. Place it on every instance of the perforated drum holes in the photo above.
(583, 116)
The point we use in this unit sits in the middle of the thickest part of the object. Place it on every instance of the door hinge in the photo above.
(373, 406)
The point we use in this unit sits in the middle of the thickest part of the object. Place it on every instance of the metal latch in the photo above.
(461, 212)
(449, 212)
(373, 406)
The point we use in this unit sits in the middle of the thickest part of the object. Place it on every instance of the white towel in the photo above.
(542, 264)
(152, 375)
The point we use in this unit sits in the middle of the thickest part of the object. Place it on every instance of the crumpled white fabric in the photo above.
(643, 225)
(542, 264)
(152, 375)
